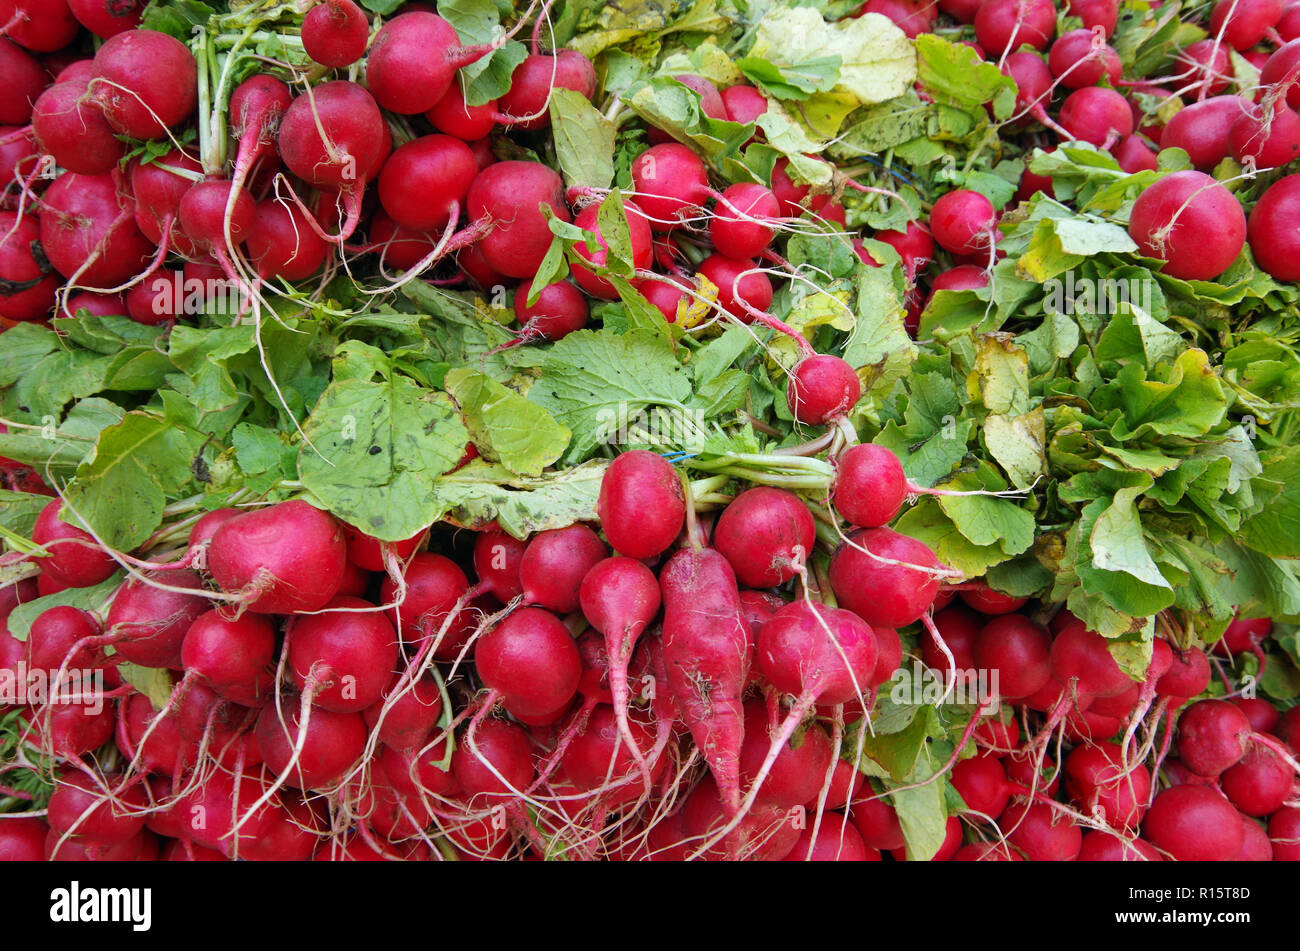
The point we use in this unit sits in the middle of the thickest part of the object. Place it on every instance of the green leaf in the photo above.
(121, 488)
(584, 140)
(987, 520)
(258, 449)
(898, 751)
(480, 493)
(954, 73)
(819, 74)
(177, 18)
(1117, 540)
(378, 449)
(1017, 444)
(18, 510)
(87, 599)
(1275, 529)
(505, 426)
(25, 344)
(927, 523)
(1000, 377)
(155, 683)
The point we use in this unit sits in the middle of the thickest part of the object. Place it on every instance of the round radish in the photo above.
(1191, 222)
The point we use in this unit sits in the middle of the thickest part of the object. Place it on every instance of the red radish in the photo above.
(642, 504)
(82, 810)
(962, 221)
(822, 389)
(554, 564)
(75, 132)
(434, 584)
(64, 637)
(984, 599)
(146, 82)
(21, 82)
(524, 104)
(870, 485)
(1274, 239)
(668, 295)
(452, 115)
(1194, 824)
(257, 107)
(987, 852)
(423, 771)
(41, 26)
(1133, 156)
(1280, 71)
(158, 188)
(1041, 833)
(285, 558)
(497, 557)
(894, 592)
(1083, 655)
(560, 310)
(599, 757)
(22, 839)
(424, 182)
(1097, 115)
(767, 535)
(1095, 13)
(947, 849)
(670, 184)
(1263, 716)
(1260, 783)
(877, 823)
(328, 744)
(959, 628)
(27, 286)
(765, 834)
(708, 648)
(369, 553)
(398, 248)
(149, 623)
(333, 138)
(1097, 778)
(914, 244)
(1205, 65)
(413, 60)
(963, 11)
(1019, 651)
(1283, 832)
(107, 18)
(234, 657)
(1002, 25)
(334, 33)
(291, 836)
(1074, 61)
(282, 244)
(1269, 134)
(530, 661)
(913, 17)
(407, 721)
(787, 192)
(165, 751)
(742, 287)
(1212, 736)
(508, 194)
(1188, 675)
(493, 761)
(1099, 846)
(835, 840)
(982, 784)
(799, 770)
(212, 209)
(74, 558)
(1201, 129)
(1191, 222)
(343, 657)
(743, 103)
(88, 232)
(639, 231)
(1243, 23)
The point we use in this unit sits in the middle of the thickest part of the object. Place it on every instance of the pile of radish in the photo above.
(312, 318)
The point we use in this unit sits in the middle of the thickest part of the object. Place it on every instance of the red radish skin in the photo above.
(452, 115)
(282, 244)
(335, 32)
(1191, 222)
(424, 182)
(285, 558)
(150, 623)
(708, 649)
(107, 18)
(74, 131)
(19, 264)
(962, 221)
(413, 60)
(642, 504)
(22, 839)
(835, 840)
(767, 535)
(1074, 61)
(982, 784)
(343, 657)
(146, 82)
(508, 195)
(554, 564)
(1041, 833)
(531, 662)
(21, 80)
(1194, 824)
(88, 231)
(407, 712)
(1097, 115)
(560, 309)
(1212, 736)
(822, 389)
(81, 810)
(75, 559)
(1260, 783)
(1097, 778)
(493, 762)
(1099, 846)
(331, 743)
(1019, 650)
(670, 184)
(891, 595)
(639, 231)
(800, 768)
(1003, 25)
(41, 26)
(742, 288)
(1274, 239)
(1201, 129)
(524, 104)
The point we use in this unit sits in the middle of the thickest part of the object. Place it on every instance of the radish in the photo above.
(1274, 239)
(217, 216)
(424, 182)
(1260, 783)
(281, 559)
(1083, 656)
(958, 628)
(1283, 832)
(524, 103)
(1201, 129)
(1133, 156)
(452, 115)
(1194, 824)
(602, 759)
(743, 289)
(667, 295)
(280, 243)
(89, 233)
(743, 103)
(1268, 134)
(148, 624)
(822, 389)
(420, 771)
(765, 834)
(1263, 716)
(554, 564)
(913, 17)
(1097, 115)
(708, 648)
(670, 184)
(987, 852)
(914, 244)
(1019, 651)
(434, 586)
(27, 286)
(642, 504)
(146, 82)
(1206, 65)
(335, 32)
(529, 662)
(767, 535)
(257, 107)
(158, 188)
(22, 839)
(497, 557)
(413, 60)
(560, 310)
(1041, 833)
(65, 638)
(74, 132)
(407, 712)
(41, 26)
(963, 221)
(799, 770)
(233, 657)
(73, 557)
(892, 592)
(333, 138)
(79, 808)
(1094, 13)
(508, 195)
(314, 751)
(1075, 62)
(1099, 846)
(163, 750)
(1191, 222)
(1243, 23)
(493, 762)
(1034, 85)
(21, 81)
(344, 657)
(877, 823)
(1003, 25)
(1212, 736)
(1188, 674)
(639, 232)
(1099, 781)
(107, 18)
